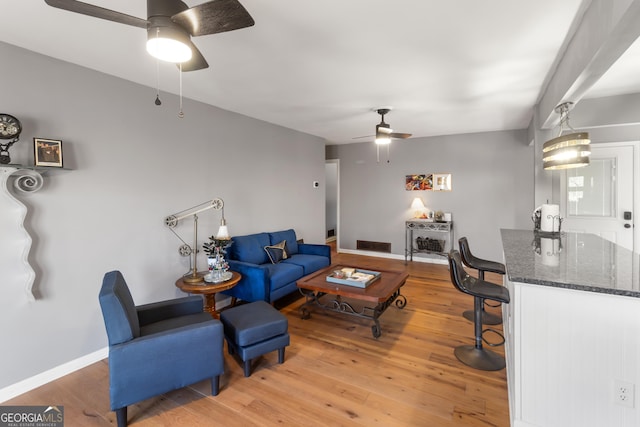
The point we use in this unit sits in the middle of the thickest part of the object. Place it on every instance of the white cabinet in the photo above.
(565, 350)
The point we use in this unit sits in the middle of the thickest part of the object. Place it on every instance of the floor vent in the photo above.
(331, 233)
(366, 245)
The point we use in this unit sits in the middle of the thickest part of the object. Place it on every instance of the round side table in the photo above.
(209, 291)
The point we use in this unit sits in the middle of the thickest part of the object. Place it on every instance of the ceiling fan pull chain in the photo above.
(180, 114)
(158, 102)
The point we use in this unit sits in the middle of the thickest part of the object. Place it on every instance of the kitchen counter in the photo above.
(572, 330)
(579, 261)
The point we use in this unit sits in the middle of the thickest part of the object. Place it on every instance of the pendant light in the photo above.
(566, 151)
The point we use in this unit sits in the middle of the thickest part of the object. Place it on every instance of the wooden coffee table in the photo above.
(382, 292)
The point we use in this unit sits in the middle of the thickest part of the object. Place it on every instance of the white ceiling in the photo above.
(320, 67)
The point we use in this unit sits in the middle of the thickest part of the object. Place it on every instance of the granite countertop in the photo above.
(579, 261)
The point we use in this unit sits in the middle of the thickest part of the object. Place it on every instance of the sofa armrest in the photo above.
(254, 285)
(312, 249)
(161, 310)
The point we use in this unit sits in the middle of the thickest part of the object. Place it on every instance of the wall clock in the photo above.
(10, 129)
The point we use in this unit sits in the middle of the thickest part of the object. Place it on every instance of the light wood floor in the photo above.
(335, 373)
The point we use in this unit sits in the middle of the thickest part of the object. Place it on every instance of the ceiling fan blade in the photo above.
(197, 61)
(216, 16)
(97, 12)
(365, 136)
(400, 135)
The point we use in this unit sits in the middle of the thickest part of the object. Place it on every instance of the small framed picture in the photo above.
(47, 152)
(441, 182)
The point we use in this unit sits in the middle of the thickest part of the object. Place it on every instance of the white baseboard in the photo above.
(52, 374)
(439, 260)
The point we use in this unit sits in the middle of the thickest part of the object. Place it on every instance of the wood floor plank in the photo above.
(335, 372)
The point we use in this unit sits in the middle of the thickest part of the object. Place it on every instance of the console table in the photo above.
(430, 238)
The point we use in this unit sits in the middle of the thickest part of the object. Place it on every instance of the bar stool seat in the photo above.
(476, 355)
(481, 265)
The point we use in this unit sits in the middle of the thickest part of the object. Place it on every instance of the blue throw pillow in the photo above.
(277, 253)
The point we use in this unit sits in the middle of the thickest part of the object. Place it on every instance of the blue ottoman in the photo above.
(254, 329)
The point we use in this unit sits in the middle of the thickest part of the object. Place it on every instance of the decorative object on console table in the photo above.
(194, 276)
(419, 209)
(10, 129)
(47, 152)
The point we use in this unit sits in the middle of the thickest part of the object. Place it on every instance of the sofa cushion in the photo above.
(309, 263)
(289, 236)
(283, 273)
(250, 248)
(277, 253)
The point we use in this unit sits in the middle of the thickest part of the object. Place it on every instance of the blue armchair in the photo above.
(157, 347)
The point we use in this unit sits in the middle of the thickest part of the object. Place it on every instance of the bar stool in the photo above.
(475, 355)
(481, 265)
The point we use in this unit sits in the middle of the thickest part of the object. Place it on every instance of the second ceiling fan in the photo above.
(384, 133)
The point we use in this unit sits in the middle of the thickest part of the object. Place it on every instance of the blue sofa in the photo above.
(266, 277)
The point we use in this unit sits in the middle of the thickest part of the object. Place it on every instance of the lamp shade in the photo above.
(223, 231)
(417, 203)
(566, 151)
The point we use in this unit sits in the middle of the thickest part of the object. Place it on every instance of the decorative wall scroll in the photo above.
(435, 182)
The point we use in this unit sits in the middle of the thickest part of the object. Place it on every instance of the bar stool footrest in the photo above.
(495, 332)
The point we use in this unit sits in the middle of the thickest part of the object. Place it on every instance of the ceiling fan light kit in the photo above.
(168, 44)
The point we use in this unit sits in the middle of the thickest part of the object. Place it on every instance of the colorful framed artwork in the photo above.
(418, 182)
(441, 182)
(47, 152)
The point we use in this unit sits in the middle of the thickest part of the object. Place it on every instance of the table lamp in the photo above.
(223, 234)
(418, 206)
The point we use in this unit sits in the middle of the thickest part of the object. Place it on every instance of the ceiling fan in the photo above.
(170, 24)
(384, 133)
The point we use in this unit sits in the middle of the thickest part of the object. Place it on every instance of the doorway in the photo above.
(332, 202)
(602, 198)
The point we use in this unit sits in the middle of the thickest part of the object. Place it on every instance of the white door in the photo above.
(599, 198)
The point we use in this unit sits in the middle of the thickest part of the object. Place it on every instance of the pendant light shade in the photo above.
(566, 151)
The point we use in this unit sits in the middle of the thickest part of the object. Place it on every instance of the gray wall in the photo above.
(132, 164)
(492, 181)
